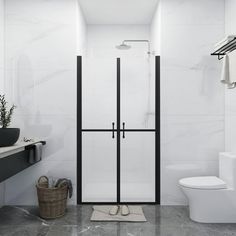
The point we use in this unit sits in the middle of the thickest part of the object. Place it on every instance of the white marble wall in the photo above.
(81, 30)
(230, 94)
(155, 31)
(192, 98)
(2, 185)
(102, 39)
(2, 46)
(41, 49)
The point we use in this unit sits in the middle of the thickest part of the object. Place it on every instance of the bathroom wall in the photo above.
(1, 46)
(2, 186)
(104, 38)
(230, 17)
(230, 95)
(81, 38)
(155, 31)
(192, 98)
(41, 49)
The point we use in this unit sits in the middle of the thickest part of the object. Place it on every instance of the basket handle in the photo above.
(43, 179)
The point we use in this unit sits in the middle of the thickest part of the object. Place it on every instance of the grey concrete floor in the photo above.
(162, 220)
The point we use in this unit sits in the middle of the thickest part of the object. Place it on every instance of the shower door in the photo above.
(118, 130)
(99, 146)
(137, 121)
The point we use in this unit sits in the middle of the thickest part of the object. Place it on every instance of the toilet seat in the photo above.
(204, 182)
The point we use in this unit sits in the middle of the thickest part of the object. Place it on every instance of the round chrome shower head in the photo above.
(123, 46)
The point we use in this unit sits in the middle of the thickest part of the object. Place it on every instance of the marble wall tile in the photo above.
(191, 12)
(81, 32)
(2, 45)
(230, 17)
(192, 97)
(41, 62)
(188, 91)
(32, 91)
(2, 35)
(32, 46)
(230, 134)
(230, 111)
(192, 138)
(58, 131)
(191, 47)
(102, 40)
(40, 11)
(41, 79)
(230, 96)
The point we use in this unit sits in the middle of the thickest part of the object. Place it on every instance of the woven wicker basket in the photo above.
(52, 201)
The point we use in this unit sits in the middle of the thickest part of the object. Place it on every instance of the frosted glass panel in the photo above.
(99, 93)
(138, 167)
(98, 167)
(138, 92)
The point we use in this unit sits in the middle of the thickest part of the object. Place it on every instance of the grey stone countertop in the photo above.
(17, 147)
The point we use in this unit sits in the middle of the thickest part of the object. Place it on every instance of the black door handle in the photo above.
(123, 124)
(113, 129)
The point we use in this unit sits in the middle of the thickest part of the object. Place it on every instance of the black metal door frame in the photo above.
(118, 131)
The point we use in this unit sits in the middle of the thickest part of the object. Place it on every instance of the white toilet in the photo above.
(212, 199)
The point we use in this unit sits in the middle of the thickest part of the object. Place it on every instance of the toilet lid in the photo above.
(204, 182)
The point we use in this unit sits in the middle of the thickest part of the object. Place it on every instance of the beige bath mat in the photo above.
(101, 213)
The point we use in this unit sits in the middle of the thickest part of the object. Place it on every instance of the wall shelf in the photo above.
(227, 48)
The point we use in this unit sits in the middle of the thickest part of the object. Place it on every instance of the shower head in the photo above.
(123, 46)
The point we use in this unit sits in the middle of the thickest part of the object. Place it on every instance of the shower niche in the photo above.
(118, 129)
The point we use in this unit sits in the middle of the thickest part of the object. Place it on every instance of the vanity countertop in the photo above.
(17, 147)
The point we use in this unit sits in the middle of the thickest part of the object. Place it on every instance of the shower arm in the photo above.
(138, 41)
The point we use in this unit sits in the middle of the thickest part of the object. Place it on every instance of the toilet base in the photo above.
(211, 206)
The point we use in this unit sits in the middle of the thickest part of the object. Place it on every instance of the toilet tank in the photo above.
(227, 168)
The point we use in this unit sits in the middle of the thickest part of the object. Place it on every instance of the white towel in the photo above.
(225, 75)
(224, 41)
(35, 154)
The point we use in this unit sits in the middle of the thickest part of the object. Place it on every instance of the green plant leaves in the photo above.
(5, 116)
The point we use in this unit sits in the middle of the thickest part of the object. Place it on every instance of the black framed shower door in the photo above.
(118, 134)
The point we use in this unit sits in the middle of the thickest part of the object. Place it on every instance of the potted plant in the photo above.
(8, 136)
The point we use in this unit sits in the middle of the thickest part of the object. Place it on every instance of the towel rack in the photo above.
(32, 145)
(228, 47)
